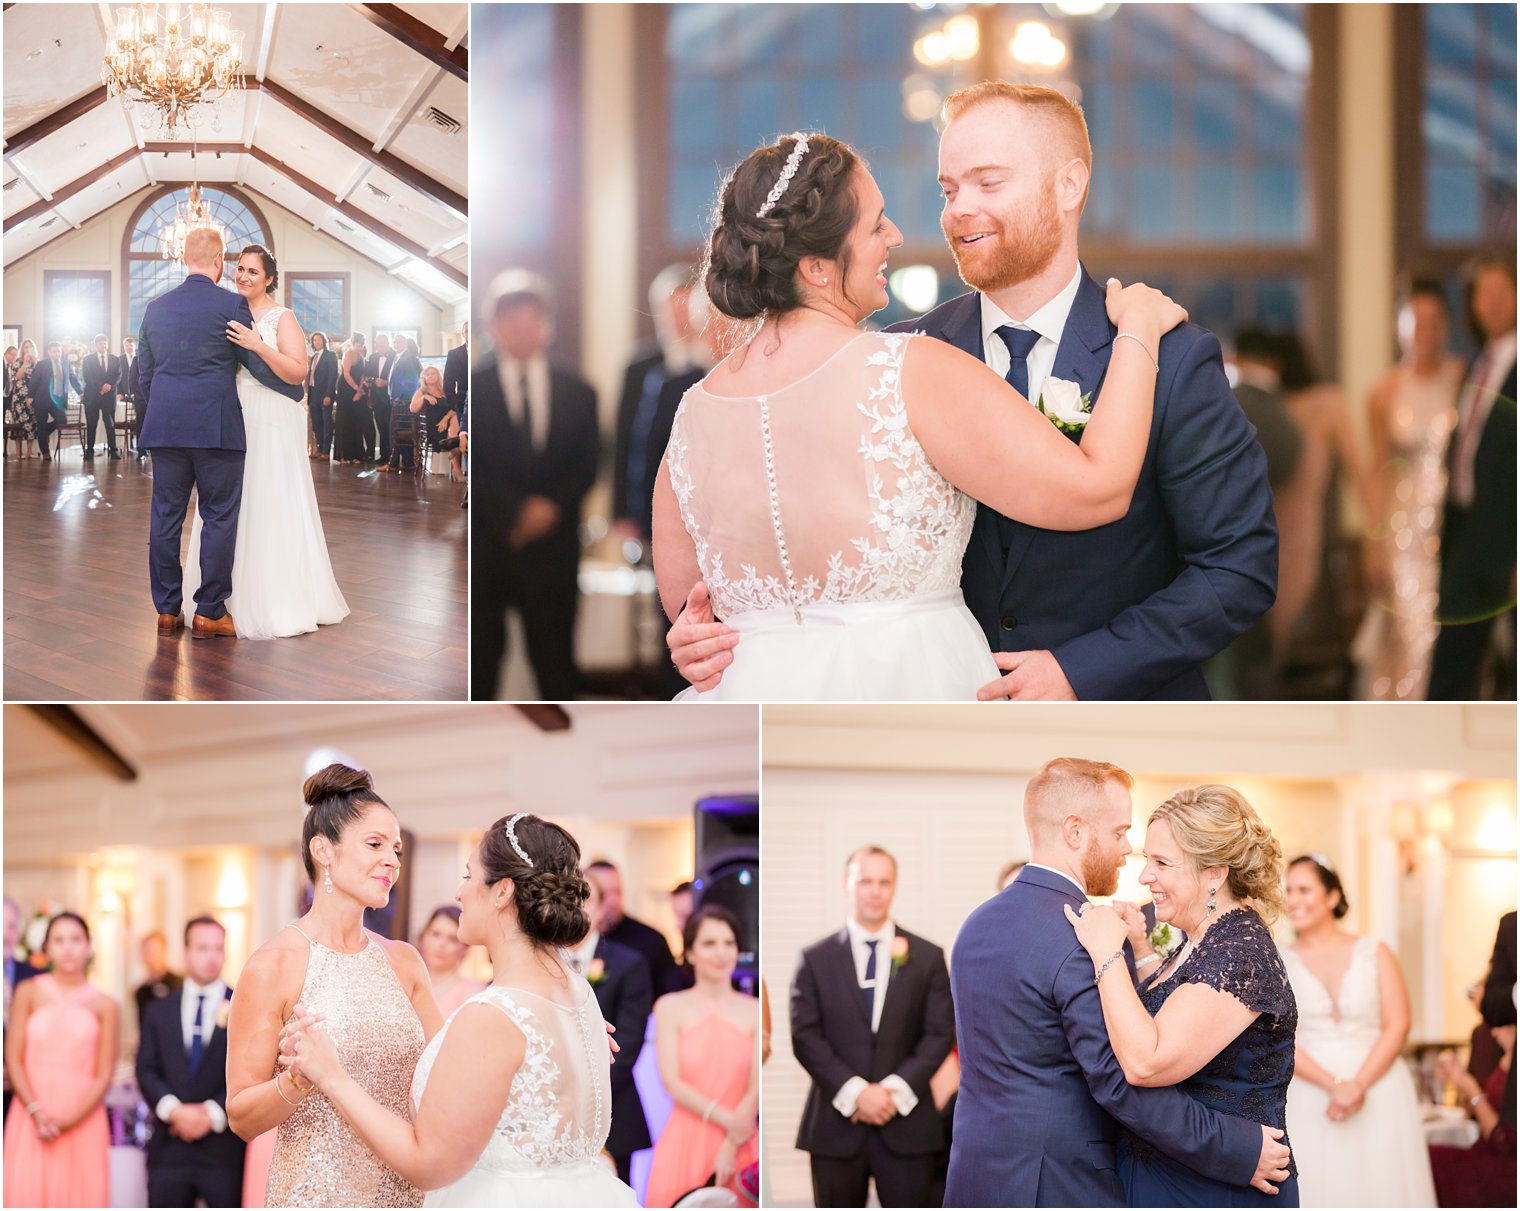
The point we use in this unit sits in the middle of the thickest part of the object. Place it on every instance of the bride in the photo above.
(513, 1099)
(282, 580)
(822, 481)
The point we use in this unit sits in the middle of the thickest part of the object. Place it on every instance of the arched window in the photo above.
(146, 274)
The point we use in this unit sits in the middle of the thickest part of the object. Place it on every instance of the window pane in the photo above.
(517, 40)
(76, 308)
(318, 305)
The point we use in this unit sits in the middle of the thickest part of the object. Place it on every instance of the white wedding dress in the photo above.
(1377, 1157)
(546, 1150)
(827, 539)
(282, 579)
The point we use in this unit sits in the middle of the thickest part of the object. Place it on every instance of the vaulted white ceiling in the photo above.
(348, 121)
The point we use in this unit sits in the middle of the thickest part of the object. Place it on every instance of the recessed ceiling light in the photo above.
(36, 54)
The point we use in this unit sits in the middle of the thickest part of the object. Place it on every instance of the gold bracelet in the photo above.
(281, 1092)
(309, 1087)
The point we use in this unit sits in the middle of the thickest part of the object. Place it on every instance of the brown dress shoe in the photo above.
(169, 623)
(210, 628)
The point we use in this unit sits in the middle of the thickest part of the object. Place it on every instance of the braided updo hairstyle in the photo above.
(1215, 826)
(750, 266)
(550, 894)
(336, 796)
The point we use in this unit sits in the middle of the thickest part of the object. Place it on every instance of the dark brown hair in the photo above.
(64, 916)
(708, 912)
(267, 259)
(750, 267)
(202, 920)
(1328, 879)
(451, 911)
(336, 796)
(548, 890)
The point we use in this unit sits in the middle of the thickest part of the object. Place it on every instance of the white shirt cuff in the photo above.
(217, 1115)
(849, 1095)
(902, 1094)
(167, 1105)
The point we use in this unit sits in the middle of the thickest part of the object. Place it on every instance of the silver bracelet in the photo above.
(1131, 336)
(1107, 963)
(1152, 958)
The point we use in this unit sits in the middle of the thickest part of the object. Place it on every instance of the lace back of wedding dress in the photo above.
(818, 492)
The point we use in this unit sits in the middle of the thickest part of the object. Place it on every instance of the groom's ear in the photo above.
(1072, 181)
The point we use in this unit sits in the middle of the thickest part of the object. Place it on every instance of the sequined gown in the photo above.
(546, 1150)
(1248, 1079)
(318, 1160)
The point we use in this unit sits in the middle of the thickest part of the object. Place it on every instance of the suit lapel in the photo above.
(1081, 358)
(177, 1062)
(894, 977)
(849, 981)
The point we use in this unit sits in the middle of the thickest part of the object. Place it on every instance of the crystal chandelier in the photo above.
(173, 58)
(188, 216)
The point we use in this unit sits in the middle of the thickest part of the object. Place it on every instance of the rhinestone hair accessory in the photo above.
(512, 838)
(1321, 860)
(787, 173)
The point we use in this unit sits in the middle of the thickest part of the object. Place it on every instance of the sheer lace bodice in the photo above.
(559, 1108)
(1354, 1015)
(268, 328)
(819, 492)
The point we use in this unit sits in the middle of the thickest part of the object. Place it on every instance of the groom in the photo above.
(1041, 1090)
(1131, 609)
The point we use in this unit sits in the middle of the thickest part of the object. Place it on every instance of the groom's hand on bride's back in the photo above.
(1273, 1165)
(700, 645)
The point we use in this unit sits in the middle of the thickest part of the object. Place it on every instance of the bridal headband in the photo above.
(787, 173)
(512, 838)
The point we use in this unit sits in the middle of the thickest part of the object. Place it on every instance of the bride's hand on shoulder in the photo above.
(1099, 928)
(1144, 311)
(240, 334)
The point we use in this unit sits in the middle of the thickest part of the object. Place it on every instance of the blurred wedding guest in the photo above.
(127, 388)
(1259, 391)
(154, 950)
(61, 1055)
(102, 373)
(1477, 590)
(350, 410)
(1410, 412)
(1357, 1133)
(182, 1072)
(535, 431)
(456, 395)
(708, 1039)
(624, 991)
(15, 972)
(430, 407)
(870, 1112)
(630, 931)
(321, 390)
(51, 381)
(681, 902)
(377, 427)
(1482, 1175)
(1010, 872)
(1498, 1005)
(19, 409)
(442, 952)
(405, 379)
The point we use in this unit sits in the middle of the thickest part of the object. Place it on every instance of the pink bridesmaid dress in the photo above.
(62, 1044)
(715, 1057)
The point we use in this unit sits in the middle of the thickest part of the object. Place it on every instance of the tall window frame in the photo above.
(322, 319)
(96, 282)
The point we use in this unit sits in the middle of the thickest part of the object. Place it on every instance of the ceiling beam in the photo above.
(54, 122)
(353, 213)
(266, 38)
(96, 749)
(418, 36)
(354, 141)
(69, 190)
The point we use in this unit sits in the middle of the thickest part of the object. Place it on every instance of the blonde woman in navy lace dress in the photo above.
(1217, 1016)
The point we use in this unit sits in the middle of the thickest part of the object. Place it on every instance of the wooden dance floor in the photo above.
(80, 621)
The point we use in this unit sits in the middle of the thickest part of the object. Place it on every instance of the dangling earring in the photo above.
(1212, 903)
(327, 879)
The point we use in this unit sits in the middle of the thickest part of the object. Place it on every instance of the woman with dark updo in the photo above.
(822, 481)
(513, 1097)
(373, 995)
(282, 579)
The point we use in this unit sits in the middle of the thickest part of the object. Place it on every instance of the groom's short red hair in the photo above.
(1068, 782)
(1062, 113)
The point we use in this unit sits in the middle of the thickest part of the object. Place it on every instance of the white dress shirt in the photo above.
(580, 956)
(536, 407)
(215, 994)
(848, 1096)
(1081, 891)
(1049, 321)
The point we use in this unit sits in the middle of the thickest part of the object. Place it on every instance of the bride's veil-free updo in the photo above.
(266, 258)
(750, 266)
(336, 795)
(548, 891)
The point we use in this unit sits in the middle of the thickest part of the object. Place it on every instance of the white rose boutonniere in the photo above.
(223, 1014)
(899, 951)
(1063, 402)
(1164, 940)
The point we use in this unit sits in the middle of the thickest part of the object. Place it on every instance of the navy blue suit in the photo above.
(1040, 1087)
(625, 995)
(51, 414)
(1133, 608)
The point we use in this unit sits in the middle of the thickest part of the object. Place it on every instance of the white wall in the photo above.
(377, 300)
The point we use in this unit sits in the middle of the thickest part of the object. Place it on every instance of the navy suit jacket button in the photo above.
(1009, 622)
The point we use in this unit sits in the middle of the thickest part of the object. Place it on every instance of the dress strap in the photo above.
(302, 932)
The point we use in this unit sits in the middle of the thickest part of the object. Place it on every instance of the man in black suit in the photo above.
(456, 381)
(620, 978)
(534, 439)
(378, 371)
(1477, 589)
(321, 390)
(628, 931)
(161, 981)
(126, 390)
(872, 1021)
(102, 373)
(182, 1071)
(1498, 1004)
(52, 379)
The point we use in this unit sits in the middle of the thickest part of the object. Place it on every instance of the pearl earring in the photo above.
(1212, 903)
(327, 880)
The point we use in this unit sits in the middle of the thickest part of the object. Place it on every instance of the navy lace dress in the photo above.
(1248, 1079)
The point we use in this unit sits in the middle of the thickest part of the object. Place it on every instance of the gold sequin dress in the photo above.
(318, 1160)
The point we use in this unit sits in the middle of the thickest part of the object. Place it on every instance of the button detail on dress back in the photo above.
(775, 499)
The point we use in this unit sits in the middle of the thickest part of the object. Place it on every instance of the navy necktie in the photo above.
(1020, 342)
(869, 990)
(197, 1046)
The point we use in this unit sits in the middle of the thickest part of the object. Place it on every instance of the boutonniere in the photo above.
(899, 951)
(1164, 940)
(596, 971)
(1067, 408)
(224, 1014)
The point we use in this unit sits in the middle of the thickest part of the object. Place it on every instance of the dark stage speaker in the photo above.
(728, 871)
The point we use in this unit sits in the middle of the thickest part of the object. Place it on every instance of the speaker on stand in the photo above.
(728, 871)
